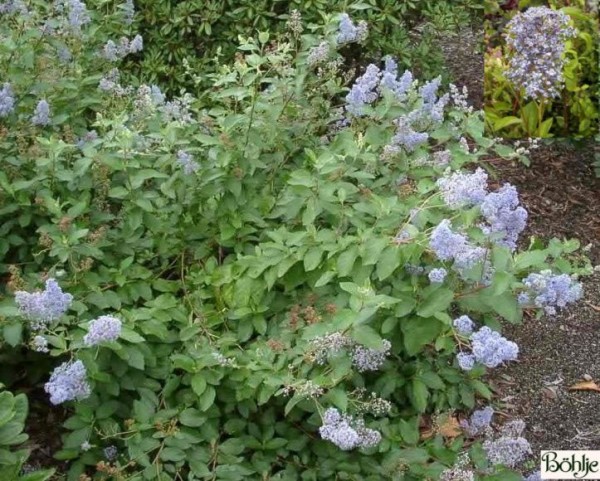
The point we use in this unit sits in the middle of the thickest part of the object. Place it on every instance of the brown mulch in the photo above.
(560, 191)
(464, 61)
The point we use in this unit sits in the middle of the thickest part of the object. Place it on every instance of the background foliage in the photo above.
(200, 31)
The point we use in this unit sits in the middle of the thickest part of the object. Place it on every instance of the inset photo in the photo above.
(542, 69)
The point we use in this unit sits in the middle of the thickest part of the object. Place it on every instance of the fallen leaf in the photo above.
(585, 386)
(450, 428)
(550, 392)
(596, 308)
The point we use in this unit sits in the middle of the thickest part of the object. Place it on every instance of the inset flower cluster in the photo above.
(537, 39)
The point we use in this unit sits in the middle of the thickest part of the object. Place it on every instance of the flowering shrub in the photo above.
(265, 288)
(541, 74)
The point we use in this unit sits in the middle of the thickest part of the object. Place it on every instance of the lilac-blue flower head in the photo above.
(461, 189)
(505, 218)
(103, 329)
(363, 92)
(68, 382)
(41, 308)
(348, 32)
(537, 42)
(41, 115)
(491, 349)
(7, 100)
(549, 291)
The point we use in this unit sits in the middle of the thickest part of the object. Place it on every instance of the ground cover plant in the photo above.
(541, 70)
(283, 280)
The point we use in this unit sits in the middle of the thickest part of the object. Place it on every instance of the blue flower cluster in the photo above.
(187, 162)
(105, 328)
(40, 344)
(464, 325)
(373, 82)
(363, 91)
(68, 382)
(111, 453)
(369, 359)
(510, 448)
(41, 308)
(462, 189)
(390, 81)
(479, 421)
(406, 136)
(10, 7)
(41, 115)
(537, 39)
(550, 291)
(318, 54)
(489, 348)
(78, 15)
(433, 107)
(89, 136)
(347, 433)
(505, 217)
(7, 100)
(437, 275)
(449, 245)
(348, 32)
(113, 52)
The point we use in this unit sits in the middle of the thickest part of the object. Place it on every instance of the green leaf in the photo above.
(506, 122)
(312, 258)
(419, 332)
(409, 430)
(530, 258)
(373, 250)
(507, 306)
(367, 336)
(191, 417)
(198, 384)
(545, 127)
(130, 335)
(42, 475)
(388, 262)
(432, 380)
(13, 334)
(207, 399)
(437, 300)
(419, 394)
(530, 114)
(345, 261)
(172, 454)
